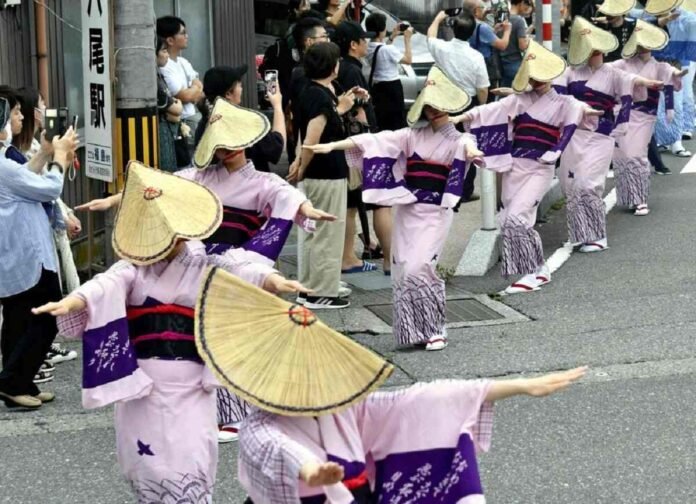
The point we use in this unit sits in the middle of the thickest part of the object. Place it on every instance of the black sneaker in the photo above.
(58, 354)
(663, 171)
(326, 303)
(43, 376)
(48, 367)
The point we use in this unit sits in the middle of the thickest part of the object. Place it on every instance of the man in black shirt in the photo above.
(616, 23)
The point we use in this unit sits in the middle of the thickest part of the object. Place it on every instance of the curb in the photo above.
(482, 251)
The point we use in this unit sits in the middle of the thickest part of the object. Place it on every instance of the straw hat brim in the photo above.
(659, 7)
(279, 356)
(158, 209)
(645, 35)
(441, 94)
(236, 129)
(539, 64)
(586, 38)
(616, 7)
(689, 5)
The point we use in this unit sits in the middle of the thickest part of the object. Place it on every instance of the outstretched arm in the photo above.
(331, 146)
(535, 387)
(101, 204)
(66, 305)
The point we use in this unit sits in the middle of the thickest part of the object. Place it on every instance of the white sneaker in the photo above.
(344, 292)
(436, 343)
(596, 246)
(543, 275)
(642, 210)
(58, 354)
(228, 433)
(301, 298)
(343, 284)
(527, 283)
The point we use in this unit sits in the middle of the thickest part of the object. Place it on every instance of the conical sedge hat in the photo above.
(586, 38)
(659, 7)
(616, 7)
(539, 64)
(159, 208)
(645, 35)
(441, 94)
(279, 356)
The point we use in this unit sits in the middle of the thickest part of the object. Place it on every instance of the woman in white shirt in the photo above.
(383, 61)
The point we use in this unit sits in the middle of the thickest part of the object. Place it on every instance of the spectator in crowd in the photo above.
(226, 82)
(485, 40)
(383, 59)
(181, 78)
(335, 10)
(464, 66)
(617, 23)
(325, 175)
(511, 57)
(306, 32)
(33, 110)
(169, 110)
(28, 265)
(352, 40)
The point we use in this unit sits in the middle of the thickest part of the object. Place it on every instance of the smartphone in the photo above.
(404, 26)
(74, 123)
(56, 122)
(453, 12)
(271, 80)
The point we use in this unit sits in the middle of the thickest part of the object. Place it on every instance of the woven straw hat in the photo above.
(586, 38)
(440, 93)
(158, 209)
(539, 64)
(659, 7)
(645, 35)
(616, 7)
(689, 5)
(231, 127)
(279, 356)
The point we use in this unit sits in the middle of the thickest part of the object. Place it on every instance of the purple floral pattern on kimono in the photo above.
(493, 140)
(443, 475)
(270, 240)
(108, 354)
(378, 173)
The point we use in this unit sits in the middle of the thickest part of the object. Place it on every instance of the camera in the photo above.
(404, 26)
(56, 123)
(454, 11)
(359, 102)
(501, 13)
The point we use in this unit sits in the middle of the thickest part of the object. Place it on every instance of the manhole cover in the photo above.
(462, 312)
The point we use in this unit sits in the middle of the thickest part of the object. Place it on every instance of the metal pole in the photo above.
(488, 200)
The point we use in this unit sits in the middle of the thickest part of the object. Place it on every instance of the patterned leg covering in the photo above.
(180, 489)
(586, 217)
(230, 407)
(523, 252)
(632, 177)
(419, 309)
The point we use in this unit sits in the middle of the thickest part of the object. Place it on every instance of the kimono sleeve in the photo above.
(667, 74)
(243, 264)
(382, 158)
(572, 116)
(625, 90)
(113, 285)
(490, 124)
(283, 201)
(270, 461)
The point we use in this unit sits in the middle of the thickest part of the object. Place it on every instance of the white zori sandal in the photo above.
(642, 210)
(527, 283)
(437, 342)
(596, 246)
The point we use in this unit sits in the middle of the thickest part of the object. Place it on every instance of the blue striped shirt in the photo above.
(26, 237)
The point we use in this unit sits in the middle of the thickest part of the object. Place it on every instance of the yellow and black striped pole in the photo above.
(137, 138)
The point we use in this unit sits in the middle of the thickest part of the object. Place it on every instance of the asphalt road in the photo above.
(624, 435)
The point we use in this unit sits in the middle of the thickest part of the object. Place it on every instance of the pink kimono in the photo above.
(631, 166)
(259, 209)
(417, 444)
(523, 135)
(140, 354)
(420, 173)
(585, 162)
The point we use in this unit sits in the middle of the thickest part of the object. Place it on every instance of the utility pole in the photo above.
(135, 127)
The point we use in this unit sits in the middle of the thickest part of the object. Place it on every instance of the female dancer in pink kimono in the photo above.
(631, 165)
(522, 136)
(259, 209)
(420, 173)
(585, 162)
(136, 323)
(418, 444)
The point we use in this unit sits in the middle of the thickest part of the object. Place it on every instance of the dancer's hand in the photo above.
(681, 73)
(315, 474)
(63, 307)
(502, 91)
(472, 151)
(278, 284)
(554, 382)
(101, 204)
(591, 112)
(308, 210)
(652, 84)
(320, 148)
(462, 118)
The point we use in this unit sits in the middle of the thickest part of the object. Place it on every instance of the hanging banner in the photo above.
(96, 71)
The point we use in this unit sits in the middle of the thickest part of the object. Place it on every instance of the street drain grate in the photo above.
(464, 312)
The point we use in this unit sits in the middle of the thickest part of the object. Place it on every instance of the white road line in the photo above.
(562, 254)
(690, 167)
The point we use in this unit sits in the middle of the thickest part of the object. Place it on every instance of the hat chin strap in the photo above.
(232, 155)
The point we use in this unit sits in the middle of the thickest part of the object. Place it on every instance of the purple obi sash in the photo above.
(162, 331)
(238, 227)
(598, 101)
(426, 180)
(649, 106)
(533, 138)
